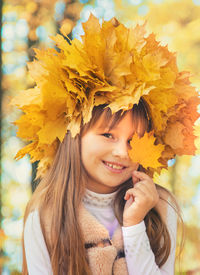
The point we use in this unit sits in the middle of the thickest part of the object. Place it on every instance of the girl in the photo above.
(97, 209)
(92, 190)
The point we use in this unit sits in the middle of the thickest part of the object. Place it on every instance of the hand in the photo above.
(139, 199)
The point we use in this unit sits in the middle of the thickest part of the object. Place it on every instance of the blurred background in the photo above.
(26, 24)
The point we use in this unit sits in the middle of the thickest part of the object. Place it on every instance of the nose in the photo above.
(120, 150)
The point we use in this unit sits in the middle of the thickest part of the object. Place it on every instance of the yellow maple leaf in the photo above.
(145, 152)
(24, 98)
(53, 129)
(112, 65)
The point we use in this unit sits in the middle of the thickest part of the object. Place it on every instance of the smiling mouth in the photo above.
(113, 166)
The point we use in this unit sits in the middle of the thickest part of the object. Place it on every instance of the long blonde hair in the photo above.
(59, 196)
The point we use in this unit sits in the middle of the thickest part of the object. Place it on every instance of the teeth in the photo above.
(114, 166)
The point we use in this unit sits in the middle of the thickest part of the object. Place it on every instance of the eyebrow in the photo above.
(103, 128)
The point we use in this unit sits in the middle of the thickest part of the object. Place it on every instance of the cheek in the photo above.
(89, 150)
(92, 146)
(135, 166)
(84, 150)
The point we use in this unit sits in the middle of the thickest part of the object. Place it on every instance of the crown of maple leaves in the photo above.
(113, 65)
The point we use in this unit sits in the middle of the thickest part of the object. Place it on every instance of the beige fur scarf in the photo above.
(106, 256)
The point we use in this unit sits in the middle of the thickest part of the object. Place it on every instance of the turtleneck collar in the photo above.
(99, 200)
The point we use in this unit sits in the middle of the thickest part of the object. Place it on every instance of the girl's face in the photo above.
(104, 154)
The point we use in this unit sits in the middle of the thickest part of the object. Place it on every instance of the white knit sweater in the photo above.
(139, 256)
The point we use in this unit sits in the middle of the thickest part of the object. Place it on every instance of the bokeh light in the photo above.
(27, 24)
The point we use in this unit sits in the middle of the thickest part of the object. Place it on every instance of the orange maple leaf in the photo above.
(145, 152)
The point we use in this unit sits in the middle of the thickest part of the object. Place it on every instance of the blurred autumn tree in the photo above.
(176, 23)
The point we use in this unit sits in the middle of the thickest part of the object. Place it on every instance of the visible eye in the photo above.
(107, 135)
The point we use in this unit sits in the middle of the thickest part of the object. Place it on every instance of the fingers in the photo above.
(142, 195)
(133, 192)
(147, 187)
(139, 176)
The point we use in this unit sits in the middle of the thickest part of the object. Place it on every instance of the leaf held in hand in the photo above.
(145, 152)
